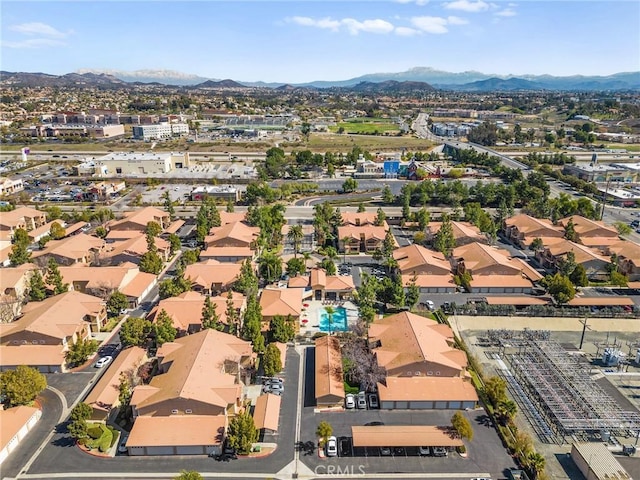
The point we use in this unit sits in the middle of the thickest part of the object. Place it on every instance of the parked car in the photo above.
(439, 451)
(332, 447)
(385, 451)
(398, 451)
(424, 451)
(103, 361)
(122, 446)
(373, 400)
(373, 424)
(350, 401)
(430, 305)
(273, 381)
(276, 388)
(362, 400)
(344, 444)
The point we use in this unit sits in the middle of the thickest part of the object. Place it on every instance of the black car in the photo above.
(344, 446)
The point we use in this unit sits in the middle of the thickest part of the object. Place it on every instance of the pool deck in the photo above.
(312, 314)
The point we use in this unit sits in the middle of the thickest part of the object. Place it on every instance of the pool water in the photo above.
(339, 320)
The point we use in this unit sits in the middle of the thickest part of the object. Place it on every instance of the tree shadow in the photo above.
(484, 420)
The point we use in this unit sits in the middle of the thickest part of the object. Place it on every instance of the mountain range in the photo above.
(414, 79)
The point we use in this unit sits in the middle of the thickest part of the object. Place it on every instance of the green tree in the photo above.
(230, 206)
(101, 232)
(462, 425)
(153, 229)
(328, 265)
(78, 429)
(117, 302)
(422, 217)
(568, 264)
(247, 282)
(242, 433)
(559, 287)
(81, 412)
(324, 431)
(570, 231)
(350, 185)
(80, 351)
(150, 262)
(295, 236)
(252, 317)
(188, 475)
(495, 388)
(175, 243)
(618, 279)
(57, 231)
(387, 196)
(168, 205)
(163, 329)
(233, 318)
(19, 253)
(413, 293)
(381, 217)
(270, 266)
(189, 257)
(134, 331)
(361, 208)
(444, 241)
(622, 228)
(537, 244)
(507, 410)
(579, 276)
(535, 463)
(37, 289)
(296, 266)
(282, 329)
(125, 389)
(53, 277)
(271, 361)
(210, 318)
(22, 385)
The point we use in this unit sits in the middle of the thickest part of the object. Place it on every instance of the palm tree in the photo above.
(330, 312)
(507, 409)
(536, 463)
(307, 257)
(270, 266)
(295, 235)
(345, 240)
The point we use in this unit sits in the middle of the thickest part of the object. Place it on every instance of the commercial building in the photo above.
(9, 187)
(596, 462)
(600, 173)
(160, 131)
(118, 163)
(223, 192)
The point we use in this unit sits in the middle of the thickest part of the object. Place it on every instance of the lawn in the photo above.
(366, 126)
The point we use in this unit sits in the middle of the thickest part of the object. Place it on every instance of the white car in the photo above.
(350, 401)
(430, 305)
(103, 361)
(362, 400)
(332, 447)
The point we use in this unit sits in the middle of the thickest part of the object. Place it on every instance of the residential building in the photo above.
(138, 220)
(285, 302)
(307, 243)
(361, 218)
(591, 233)
(15, 424)
(595, 264)
(104, 396)
(522, 229)
(492, 270)
(409, 345)
(46, 329)
(329, 382)
(131, 250)
(80, 248)
(139, 163)
(14, 286)
(9, 186)
(228, 254)
(428, 269)
(102, 281)
(464, 233)
(185, 310)
(212, 276)
(160, 131)
(23, 217)
(235, 234)
(45, 230)
(324, 287)
(628, 258)
(364, 238)
(185, 407)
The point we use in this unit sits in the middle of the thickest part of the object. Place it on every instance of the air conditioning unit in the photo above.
(174, 412)
(188, 410)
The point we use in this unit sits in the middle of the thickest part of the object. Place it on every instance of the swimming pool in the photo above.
(339, 320)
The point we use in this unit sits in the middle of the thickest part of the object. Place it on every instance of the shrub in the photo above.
(95, 432)
(461, 449)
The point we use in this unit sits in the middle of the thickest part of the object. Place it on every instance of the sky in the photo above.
(303, 41)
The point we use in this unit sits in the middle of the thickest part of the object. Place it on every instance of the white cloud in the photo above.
(467, 5)
(33, 43)
(351, 25)
(507, 12)
(417, 2)
(512, 4)
(435, 25)
(39, 29)
(371, 26)
(451, 20)
(406, 31)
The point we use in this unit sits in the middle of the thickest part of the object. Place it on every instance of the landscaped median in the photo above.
(101, 438)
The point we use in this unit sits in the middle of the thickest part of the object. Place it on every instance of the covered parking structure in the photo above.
(405, 436)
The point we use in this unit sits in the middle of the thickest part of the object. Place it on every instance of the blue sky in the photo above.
(300, 41)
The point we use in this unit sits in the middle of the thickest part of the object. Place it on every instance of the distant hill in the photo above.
(499, 84)
(67, 80)
(392, 86)
(164, 77)
(219, 84)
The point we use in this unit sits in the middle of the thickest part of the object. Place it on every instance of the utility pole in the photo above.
(584, 329)
(604, 197)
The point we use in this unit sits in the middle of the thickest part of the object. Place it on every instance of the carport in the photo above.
(404, 436)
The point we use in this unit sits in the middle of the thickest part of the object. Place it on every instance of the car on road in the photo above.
(373, 400)
(103, 361)
(362, 400)
(332, 447)
(350, 401)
